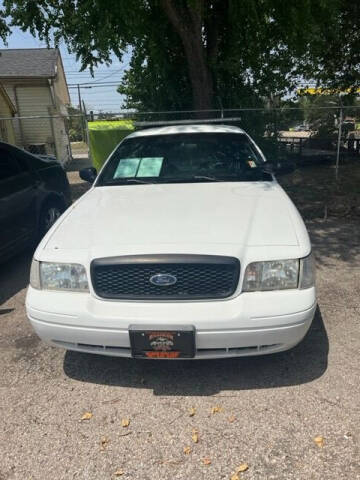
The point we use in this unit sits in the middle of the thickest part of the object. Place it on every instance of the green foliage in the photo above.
(321, 116)
(4, 28)
(75, 135)
(237, 52)
(320, 119)
(74, 125)
(157, 79)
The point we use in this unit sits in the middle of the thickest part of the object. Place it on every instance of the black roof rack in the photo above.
(165, 123)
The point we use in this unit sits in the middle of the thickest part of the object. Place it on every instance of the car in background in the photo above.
(33, 195)
(47, 158)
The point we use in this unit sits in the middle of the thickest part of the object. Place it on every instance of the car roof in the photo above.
(178, 129)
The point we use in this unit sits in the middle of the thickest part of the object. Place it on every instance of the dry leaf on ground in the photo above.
(118, 473)
(104, 442)
(195, 436)
(187, 450)
(232, 419)
(206, 461)
(125, 422)
(216, 409)
(319, 440)
(242, 468)
(192, 411)
(86, 416)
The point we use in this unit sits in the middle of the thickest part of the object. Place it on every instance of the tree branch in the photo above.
(175, 16)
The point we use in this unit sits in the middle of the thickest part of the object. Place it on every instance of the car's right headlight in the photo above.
(272, 275)
(279, 275)
(58, 276)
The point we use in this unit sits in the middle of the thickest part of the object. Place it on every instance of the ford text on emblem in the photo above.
(163, 279)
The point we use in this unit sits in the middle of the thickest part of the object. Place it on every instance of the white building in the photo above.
(34, 80)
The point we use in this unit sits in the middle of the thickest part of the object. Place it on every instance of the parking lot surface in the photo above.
(68, 415)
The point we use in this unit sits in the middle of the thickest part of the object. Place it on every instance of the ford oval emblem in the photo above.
(163, 279)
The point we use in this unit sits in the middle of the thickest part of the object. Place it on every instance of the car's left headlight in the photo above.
(58, 276)
(279, 275)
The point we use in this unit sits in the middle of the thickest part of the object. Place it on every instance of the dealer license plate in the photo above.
(161, 342)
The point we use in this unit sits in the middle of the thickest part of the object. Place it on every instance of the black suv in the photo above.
(33, 194)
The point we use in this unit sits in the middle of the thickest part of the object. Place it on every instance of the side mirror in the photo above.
(88, 174)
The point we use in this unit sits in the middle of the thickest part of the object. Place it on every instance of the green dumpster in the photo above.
(104, 136)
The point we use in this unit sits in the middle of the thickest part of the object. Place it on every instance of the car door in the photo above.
(17, 202)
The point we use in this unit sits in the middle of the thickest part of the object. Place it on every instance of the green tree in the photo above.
(74, 124)
(202, 53)
(322, 113)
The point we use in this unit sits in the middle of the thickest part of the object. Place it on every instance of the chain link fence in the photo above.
(312, 136)
(54, 136)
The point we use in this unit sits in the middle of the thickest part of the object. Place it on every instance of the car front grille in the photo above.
(196, 277)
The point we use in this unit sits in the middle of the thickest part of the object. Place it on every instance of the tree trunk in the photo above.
(188, 24)
(200, 76)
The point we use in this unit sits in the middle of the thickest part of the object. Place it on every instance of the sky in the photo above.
(96, 98)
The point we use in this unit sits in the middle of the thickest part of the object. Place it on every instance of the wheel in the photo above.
(50, 212)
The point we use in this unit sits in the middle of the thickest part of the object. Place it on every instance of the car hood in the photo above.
(181, 216)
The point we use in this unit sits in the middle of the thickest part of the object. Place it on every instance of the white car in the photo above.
(185, 247)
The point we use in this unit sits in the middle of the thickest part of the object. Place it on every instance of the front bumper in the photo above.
(249, 324)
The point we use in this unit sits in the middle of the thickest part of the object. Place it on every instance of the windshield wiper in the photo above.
(204, 177)
(134, 180)
(124, 181)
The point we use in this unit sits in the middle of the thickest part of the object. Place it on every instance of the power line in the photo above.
(98, 94)
(111, 74)
(105, 69)
(99, 82)
(94, 85)
(98, 69)
(86, 74)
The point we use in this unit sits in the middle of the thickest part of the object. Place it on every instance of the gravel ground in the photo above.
(270, 408)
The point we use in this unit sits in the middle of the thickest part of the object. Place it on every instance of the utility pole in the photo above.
(79, 95)
(85, 123)
(82, 119)
(339, 139)
(84, 108)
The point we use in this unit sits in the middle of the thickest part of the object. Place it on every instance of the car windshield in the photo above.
(184, 158)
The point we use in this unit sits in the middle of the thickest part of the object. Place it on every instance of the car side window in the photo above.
(8, 165)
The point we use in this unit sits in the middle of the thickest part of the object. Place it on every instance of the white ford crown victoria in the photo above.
(185, 247)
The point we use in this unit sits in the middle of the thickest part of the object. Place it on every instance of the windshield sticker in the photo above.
(127, 167)
(150, 167)
(139, 167)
